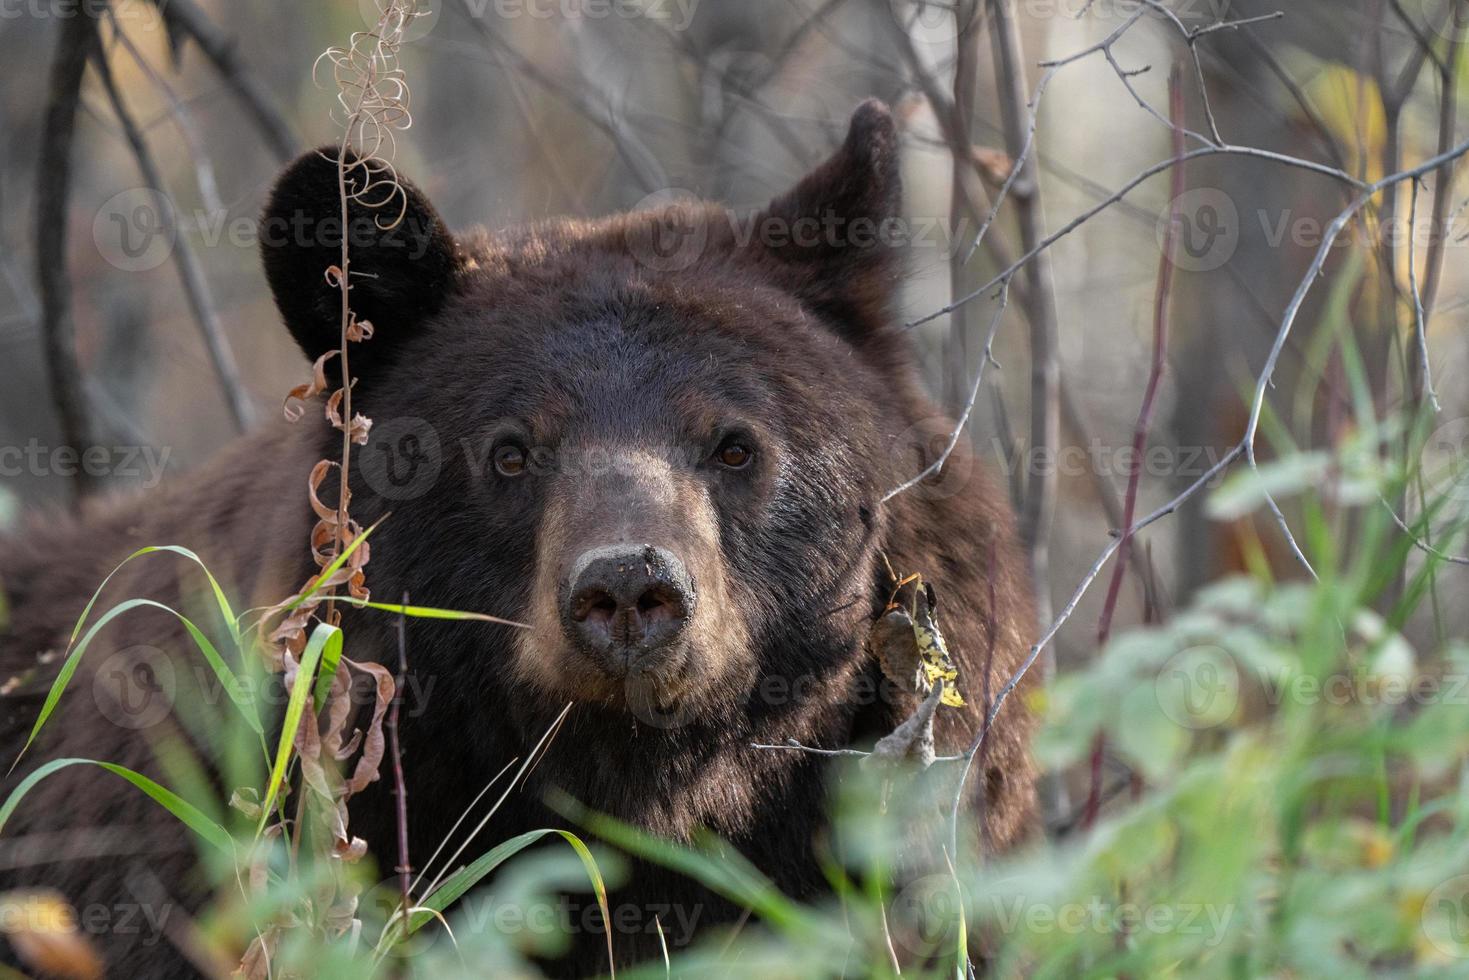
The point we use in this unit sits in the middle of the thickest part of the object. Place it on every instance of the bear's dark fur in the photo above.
(619, 354)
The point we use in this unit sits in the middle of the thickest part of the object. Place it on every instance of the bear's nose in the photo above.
(628, 600)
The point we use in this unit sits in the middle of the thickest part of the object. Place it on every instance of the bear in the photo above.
(662, 441)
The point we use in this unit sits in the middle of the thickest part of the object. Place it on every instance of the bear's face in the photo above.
(670, 471)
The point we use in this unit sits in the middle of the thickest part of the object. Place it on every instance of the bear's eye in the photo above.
(734, 455)
(510, 460)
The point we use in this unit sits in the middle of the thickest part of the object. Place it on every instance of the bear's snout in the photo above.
(626, 602)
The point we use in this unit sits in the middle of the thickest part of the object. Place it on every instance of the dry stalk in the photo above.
(372, 105)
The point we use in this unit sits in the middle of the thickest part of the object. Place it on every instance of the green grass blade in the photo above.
(428, 612)
(219, 596)
(331, 659)
(461, 881)
(323, 637)
(185, 811)
(332, 568)
(727, 872)
(69, 666)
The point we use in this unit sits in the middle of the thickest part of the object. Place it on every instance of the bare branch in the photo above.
(1422, 378)
(191, 274)
(184, 18)
(400, 785)
(1443, 185)
(77, 41)
(987, 357)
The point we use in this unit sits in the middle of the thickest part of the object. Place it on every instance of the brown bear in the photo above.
(663, 441)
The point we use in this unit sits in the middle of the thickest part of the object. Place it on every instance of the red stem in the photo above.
(400, 789)
(1145, 414)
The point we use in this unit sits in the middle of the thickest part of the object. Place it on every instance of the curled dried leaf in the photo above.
(247, 801)
(334, 408)
(303, 393)
(352, 850)
(912, 741)
(359, 330)
(338, 712)
(318, 474)
(374, 743)
(308, 751)
(361, 426)
(256, 964)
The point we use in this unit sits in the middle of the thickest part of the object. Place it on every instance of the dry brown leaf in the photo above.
(374, 743)
(42, 929)
(333, 407)
(303, 393)
(361, 426)
(313, 484)
(338, 713)
(256, 963)
(359, 330)
(994, 164)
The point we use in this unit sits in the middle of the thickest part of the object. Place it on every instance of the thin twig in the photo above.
(78, 39)
(1162, 296)
(179, 114)
(400, 785)
(1418, 542)
(184, 18)
(1422, 379)
(602, 117)
(957, 132)
(1443, 192)
(987, 357)
(1081, 589)
(191, 274)
(1039, 506)
(791, 745)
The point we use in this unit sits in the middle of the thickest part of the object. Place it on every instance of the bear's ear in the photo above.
(833, 239)
(402, 260)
